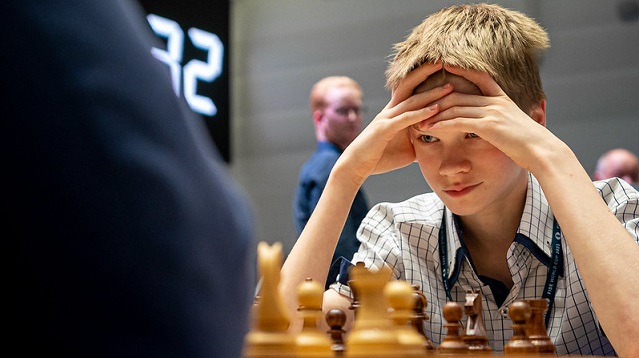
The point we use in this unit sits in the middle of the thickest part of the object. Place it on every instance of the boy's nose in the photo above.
(454, 162)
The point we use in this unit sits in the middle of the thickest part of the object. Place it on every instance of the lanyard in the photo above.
(556, 263)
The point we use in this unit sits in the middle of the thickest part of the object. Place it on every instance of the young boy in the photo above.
(513, 212)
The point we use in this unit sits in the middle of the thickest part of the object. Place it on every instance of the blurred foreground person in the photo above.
(127, 236)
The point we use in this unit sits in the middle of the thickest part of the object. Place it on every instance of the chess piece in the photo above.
(452, 342)
(371, 334)
(399, 295)
(475, 332)
(268, 336)
(355, 303)
(311, 342)
(536, 326)
(420, 316)
(519, 312)
(336, 318)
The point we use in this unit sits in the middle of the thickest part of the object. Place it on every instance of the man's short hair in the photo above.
(487, 38)
(320, 89)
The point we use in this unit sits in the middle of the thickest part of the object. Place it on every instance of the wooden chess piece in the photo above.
(355, 303)
(372, 334)
(400, 298)
(475, 332)
(536, 326)
(311, 342)
(268, 336)
(452, 342)
(336, 318)
(420, 316)
(519, 312)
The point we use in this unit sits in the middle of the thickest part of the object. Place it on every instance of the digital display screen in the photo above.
(195, 38)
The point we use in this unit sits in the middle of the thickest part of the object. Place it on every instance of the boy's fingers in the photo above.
(413, 79)
(483, 80)
(418, 117)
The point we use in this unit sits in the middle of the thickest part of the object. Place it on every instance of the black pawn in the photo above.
(336, 318)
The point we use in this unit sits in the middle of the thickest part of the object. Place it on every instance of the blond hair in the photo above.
(321, 88)
(487, 38)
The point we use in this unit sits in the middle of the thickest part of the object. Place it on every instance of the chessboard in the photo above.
(389, 320)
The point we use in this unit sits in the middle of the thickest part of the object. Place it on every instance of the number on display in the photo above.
(194, 70)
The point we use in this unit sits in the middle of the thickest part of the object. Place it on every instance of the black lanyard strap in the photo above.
(443, 257)
(556, 265)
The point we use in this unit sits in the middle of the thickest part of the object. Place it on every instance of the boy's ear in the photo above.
(538, 112)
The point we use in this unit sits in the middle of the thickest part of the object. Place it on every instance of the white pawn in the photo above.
(401, 302)
(311, 342)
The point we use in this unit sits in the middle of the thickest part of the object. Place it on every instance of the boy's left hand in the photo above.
(495, 118)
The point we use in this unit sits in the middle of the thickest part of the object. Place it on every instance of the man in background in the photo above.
(336, 109)
(620, 163)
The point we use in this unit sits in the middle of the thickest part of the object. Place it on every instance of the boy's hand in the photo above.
(384, 145)
(495, 118)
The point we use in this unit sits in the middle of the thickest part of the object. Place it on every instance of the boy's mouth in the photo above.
(460, 190)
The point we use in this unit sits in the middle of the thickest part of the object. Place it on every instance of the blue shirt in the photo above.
(312, 180)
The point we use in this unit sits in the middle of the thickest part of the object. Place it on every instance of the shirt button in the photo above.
(504, 312)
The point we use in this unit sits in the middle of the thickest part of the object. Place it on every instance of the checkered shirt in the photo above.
(404, 236)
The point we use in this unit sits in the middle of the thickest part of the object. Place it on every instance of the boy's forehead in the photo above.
(440, 78)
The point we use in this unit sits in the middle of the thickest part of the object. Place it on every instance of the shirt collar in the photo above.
(324, 145)
(535, 229)
(454, 255)
(537, 220)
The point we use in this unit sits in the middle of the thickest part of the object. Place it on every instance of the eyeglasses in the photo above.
(345, 111)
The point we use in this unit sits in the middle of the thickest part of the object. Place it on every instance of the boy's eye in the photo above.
(427, 138)
(472, 135)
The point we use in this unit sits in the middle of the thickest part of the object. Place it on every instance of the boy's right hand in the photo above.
(384, 145)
